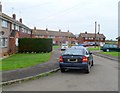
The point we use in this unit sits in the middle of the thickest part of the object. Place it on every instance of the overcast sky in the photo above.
(74, 15)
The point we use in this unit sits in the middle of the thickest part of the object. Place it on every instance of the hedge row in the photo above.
(34, 45)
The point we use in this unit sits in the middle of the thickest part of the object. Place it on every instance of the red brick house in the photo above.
(90, 37)
(118, 41)
(10, 31)
(58, 37)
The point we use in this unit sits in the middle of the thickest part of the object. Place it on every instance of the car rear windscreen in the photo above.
(74, 52)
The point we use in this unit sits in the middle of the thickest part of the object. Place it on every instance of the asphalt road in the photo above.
(103, 77)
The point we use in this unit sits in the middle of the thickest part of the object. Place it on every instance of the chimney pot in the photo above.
(20, 20)
(34, 28)
(59, 30)
(85, 32)
(14, 16)
(46, 29)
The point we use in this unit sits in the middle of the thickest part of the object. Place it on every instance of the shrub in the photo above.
(37, 45)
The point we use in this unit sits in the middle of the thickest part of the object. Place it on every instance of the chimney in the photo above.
(14, 16)
(59, 30)
(85, 32)
(34, 28)
(46, 29)
(20, 20)
(0, 7)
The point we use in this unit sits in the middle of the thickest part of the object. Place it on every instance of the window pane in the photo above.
(4, 42)
(4, 23)
(74, 52)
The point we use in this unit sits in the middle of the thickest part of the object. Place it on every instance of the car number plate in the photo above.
(72, 60)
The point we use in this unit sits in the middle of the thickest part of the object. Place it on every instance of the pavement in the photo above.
(30, 72)
(33, 71)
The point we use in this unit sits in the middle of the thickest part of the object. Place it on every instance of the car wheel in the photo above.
(62, 69)
(88, 69)
(107, 50)
(92, 63)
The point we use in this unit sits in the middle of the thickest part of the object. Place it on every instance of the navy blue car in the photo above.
(110, 47)
(76, 58)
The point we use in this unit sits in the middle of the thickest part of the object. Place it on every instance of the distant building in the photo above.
(10, 31)
(118, 38)
(90, 37)
(58, 37)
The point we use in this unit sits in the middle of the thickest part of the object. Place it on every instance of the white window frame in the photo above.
(29, 32)
(4, 42)
(4, 23)
(13, 26)
(17, 27)
(16, 42)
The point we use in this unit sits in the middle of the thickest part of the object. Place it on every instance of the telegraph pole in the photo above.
(99, 28)
(98, 34)
(95, 32)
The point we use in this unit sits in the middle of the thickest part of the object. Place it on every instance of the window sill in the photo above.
(5, 27)
(4, 47)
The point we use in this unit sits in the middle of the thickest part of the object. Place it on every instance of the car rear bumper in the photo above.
(73, 65)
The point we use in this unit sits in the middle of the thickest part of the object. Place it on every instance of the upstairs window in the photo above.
(17, 27)
(13, 26)
(4, 23)
(29, 32)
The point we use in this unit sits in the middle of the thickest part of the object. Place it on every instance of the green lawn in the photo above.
(54, 47)
(0, 64)
(17, 61)
(93, 48)
(116, 54)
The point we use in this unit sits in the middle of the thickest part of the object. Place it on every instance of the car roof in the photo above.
(110, 44)
(78, 47)
(64, 44)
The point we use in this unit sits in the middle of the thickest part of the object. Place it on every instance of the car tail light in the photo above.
(84, 59)
(61, 59)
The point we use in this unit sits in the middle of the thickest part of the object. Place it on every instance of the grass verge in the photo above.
(93, 48)
(17, 61)
(115, 54)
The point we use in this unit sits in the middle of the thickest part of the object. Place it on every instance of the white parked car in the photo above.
(64, 46)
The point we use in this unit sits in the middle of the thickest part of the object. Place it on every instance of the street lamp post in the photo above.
(95, 32)
(98, 34)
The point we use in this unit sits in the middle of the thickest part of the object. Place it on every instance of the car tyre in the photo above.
(92, 63)
(62, 69)
(88, 69)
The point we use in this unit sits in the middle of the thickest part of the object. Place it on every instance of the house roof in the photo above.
(40, 32)
(118, 37)
(10, 19)
(92, 35)
(52, 33)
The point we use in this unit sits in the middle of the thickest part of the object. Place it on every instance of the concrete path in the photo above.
(31, 71)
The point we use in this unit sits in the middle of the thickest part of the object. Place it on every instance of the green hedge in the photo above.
(34, 45)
